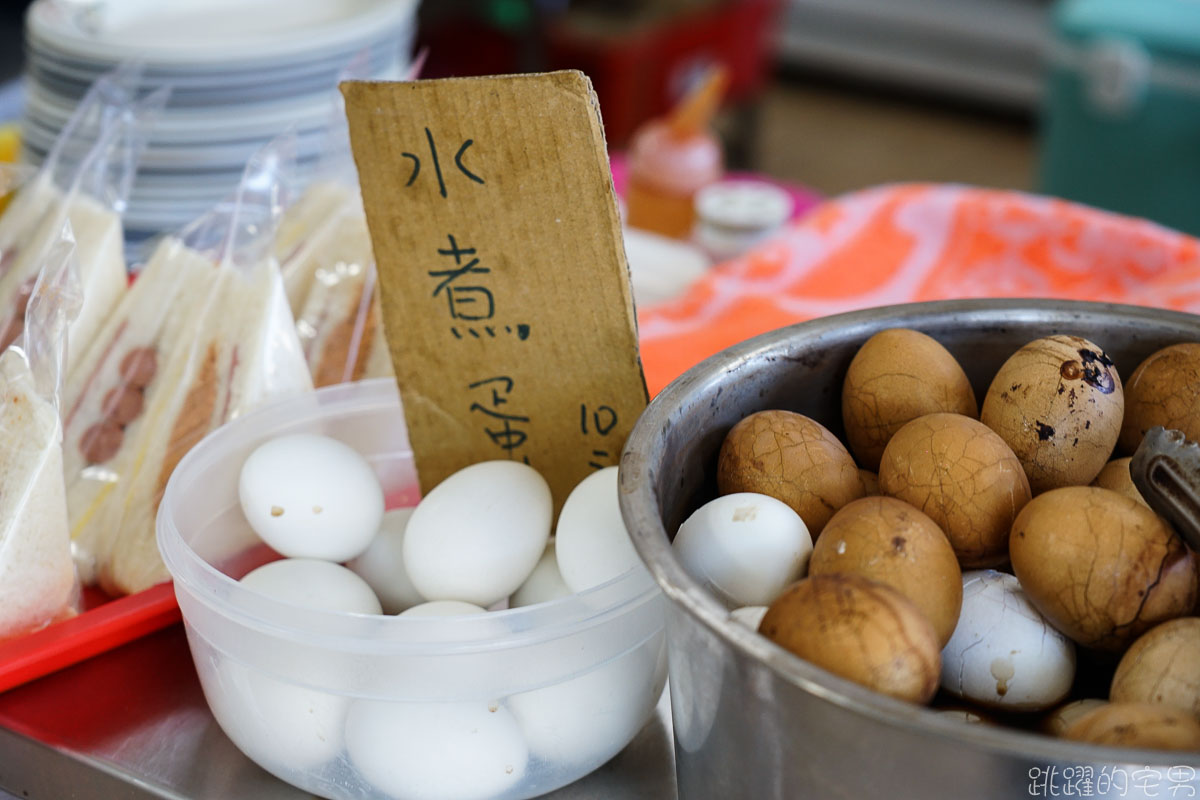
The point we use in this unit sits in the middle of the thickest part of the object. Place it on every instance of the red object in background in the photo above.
(641, 73)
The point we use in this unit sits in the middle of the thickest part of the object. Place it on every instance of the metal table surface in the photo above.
(133, 723)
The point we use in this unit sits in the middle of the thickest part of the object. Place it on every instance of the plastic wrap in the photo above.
(204, 334)
(37, 577)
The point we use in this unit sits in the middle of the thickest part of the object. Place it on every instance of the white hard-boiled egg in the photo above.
(479, 533)
(436, 751)
(443, 608)
(545, 583)
(310, 496)
(381, 565)
(312, 583)
(1004, 653)
(592, 545)
(744, 547)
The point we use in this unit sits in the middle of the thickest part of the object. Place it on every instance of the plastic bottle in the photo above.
(674, 157)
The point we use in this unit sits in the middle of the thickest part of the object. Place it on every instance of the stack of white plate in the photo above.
(240, 72)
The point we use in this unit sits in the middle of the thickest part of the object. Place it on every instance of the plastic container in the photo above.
(734, 216)
(509, 704)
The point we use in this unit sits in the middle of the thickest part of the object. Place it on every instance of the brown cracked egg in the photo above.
(1101, 567)
(889, 541)
(1163, 390)
(1162, 667)
(791, 458)
(860, 630)
(1058, 403)
(964, 477)
(1116, 476)
(1139, 725)
(896, 376)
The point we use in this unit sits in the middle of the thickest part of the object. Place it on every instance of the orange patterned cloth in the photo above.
(913, 242)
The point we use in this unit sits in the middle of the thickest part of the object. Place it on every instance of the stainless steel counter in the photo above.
(132, 723)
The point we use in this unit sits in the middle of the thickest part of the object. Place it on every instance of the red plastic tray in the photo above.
(104, 624)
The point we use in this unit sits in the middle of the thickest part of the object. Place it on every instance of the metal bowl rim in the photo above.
(640, 509)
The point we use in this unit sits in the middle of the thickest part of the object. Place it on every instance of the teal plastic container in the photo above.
(1121, 123)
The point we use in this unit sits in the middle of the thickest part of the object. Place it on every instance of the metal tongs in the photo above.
(1166, 470)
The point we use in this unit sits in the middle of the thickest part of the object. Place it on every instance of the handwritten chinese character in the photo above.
(1147, 781)
(470, 303)
(1182, 781)
(437, 164)
(1040, 781)
(507, 432)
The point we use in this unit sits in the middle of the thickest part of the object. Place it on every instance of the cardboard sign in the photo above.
(505, 290)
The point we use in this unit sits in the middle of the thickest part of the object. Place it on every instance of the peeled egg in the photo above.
(478, 534)
(381, 565)
(744, 547)
(582, 722)
(436, 751)
(545, 583)
(315, 584)
(311, 496)
(1004, 653)
(591, 543)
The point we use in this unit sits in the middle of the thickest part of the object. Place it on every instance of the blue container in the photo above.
(1121, 127)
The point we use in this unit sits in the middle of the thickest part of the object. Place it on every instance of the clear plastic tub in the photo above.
(509, 704)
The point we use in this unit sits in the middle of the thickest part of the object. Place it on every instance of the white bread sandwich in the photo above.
(37, 578)
(300, 241)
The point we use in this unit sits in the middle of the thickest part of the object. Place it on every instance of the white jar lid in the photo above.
(748, 205)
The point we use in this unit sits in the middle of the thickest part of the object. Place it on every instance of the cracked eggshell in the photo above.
(887, 540)
(896, 376)
(744, 547)
(1058, 403)
(1063, 717)
(964, 477)
(1101, 567)
(1003, 653)
(1163, 390)
(1139, 725)
(436, 751)
(1116, 476)
(791, 458)
(311, 496)
(1162, 667)
(860, 630)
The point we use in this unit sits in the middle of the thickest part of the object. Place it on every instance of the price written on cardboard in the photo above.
(505, 289)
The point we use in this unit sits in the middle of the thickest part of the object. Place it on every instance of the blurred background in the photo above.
(1093, 100)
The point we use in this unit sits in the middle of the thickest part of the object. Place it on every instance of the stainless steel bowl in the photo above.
(753, 721)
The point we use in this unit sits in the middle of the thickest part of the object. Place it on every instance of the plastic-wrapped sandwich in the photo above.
(204, 334)
(85, 180)
(302, 243)
(340, 322)
(37, 577)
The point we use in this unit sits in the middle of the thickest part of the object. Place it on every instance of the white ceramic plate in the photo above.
(218, 33)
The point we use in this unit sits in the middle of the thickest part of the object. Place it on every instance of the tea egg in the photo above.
(381, 565)
(591, 544)
(436, 751)
(744, 547)
(1004, 653)
(479, 533)
(310, 496)
(545, 583)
